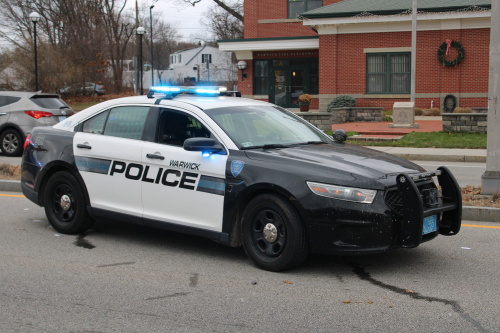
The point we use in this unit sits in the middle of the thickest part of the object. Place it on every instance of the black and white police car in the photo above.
(235, 170)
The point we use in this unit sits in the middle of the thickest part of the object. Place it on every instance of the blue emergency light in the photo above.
(172, 91)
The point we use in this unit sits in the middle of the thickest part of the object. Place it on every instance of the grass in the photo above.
(463, 140)
(80, 106)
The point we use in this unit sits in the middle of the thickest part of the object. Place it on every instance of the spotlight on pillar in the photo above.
(35, 17)
(242, 65)
(141, 31)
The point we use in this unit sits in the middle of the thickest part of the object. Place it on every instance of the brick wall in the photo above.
(343, 64)
(273, 9)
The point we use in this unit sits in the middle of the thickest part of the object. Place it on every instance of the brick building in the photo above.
(362, 48)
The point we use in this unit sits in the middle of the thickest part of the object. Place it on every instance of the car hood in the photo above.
(359, 162)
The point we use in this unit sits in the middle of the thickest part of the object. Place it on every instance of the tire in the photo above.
(73, 220)
(11, 143)
(290, 245)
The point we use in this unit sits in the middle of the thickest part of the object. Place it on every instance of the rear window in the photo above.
(49, 102)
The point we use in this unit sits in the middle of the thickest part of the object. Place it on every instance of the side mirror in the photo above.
(205, 145)
(339, 136)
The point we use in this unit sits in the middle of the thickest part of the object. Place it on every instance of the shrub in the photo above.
(419, 112)
(433, 112)
(305, 98)
(462, 110)
(342, 101)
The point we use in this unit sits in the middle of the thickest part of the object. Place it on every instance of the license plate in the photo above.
(430, 224)
(61, 118)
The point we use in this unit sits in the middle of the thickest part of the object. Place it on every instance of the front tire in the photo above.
(64, 204)
(11, 142)
(273, 235)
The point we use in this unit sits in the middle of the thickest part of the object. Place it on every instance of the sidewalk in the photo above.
(436, 154)
(382, 128)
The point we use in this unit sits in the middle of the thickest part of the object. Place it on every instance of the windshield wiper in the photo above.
(64, 107)
(274, 145)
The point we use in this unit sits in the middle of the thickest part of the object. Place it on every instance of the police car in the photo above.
(238, 171)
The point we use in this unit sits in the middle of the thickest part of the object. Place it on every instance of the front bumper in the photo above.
(342, 227)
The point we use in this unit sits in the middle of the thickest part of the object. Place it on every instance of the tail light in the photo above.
(27, 141)
(38, 114)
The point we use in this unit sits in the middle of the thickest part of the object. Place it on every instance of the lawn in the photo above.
(464, 140)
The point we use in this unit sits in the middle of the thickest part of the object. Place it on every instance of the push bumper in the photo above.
(341, 227)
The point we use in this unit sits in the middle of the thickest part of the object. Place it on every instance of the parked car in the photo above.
(239, 171)
(91, 89)
(21, 111)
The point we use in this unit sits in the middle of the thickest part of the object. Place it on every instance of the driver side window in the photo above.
(174, 127)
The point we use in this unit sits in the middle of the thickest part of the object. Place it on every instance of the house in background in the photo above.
(203, 64)
(362, 48)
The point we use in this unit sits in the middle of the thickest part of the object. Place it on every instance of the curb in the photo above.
(442, 158)
(10, 185)
(483, 214)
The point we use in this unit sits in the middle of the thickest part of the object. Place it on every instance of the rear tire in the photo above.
(64, 204)
(273, 235)
(11, 143)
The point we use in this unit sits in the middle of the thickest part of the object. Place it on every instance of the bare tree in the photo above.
(222, 24)
(224, 4)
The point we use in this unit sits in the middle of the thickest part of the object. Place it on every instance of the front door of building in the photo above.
(289, 84)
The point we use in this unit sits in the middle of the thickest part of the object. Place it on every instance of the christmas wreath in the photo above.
(444, 49)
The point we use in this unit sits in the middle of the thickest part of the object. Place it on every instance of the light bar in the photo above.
(208, 90)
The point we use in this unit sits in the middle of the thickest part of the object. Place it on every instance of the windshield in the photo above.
(257, 126)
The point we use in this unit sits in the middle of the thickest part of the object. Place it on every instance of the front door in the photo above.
(288, 85)
(182, 187)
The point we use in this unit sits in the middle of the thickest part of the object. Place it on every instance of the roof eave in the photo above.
(387, 12)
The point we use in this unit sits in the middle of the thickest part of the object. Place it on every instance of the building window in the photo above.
(206, 58)
(388, 73)
(314, 76)
(260, 77)
(297, 7)
(180, 57)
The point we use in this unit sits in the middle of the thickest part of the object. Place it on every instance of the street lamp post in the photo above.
(35, 17)
(151, 26)
(140, 32)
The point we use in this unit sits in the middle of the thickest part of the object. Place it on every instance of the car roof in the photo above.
(199, 102)
(27, 94)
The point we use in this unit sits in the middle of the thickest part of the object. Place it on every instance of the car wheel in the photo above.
(11, 142)
(65, 206)
(273, 235)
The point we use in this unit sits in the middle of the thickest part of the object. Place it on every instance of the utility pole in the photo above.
(413, 49)
(136, 42)
(490, 180)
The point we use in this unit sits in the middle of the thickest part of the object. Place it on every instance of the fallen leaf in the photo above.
(370, 302)
(254, 282)
(347, 302)
(410, 291)
(288, 282)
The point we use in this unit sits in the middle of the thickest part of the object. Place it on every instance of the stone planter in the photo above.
(357, 114)
(304, 106)
(465, 122)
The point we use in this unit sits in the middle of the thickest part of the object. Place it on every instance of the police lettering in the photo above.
(185, 165)
(169, 177)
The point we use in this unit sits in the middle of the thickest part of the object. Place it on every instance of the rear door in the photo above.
(180, 186)
(107, 152)
(4, 108)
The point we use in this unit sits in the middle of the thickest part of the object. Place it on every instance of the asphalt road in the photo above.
(126, 278)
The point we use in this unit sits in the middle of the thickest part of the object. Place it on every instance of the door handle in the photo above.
(83, 146)
(3, 114)
(155, 157)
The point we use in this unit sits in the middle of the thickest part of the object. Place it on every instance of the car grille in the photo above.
(394, 199)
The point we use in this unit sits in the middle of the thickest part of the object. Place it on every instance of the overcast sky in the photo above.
(186, 18)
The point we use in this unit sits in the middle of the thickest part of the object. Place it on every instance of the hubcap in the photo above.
(65, 202)
(10, 143)
(270, 233)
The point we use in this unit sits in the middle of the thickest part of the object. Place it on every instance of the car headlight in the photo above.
(343, 193)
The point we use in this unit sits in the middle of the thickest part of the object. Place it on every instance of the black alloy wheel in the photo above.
(268, 233)
(273, 235)
(11, 142)
(64, 204)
